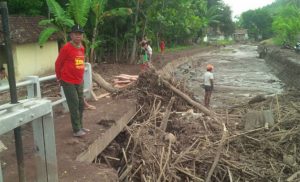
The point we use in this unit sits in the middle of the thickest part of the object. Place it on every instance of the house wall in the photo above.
(31, 59)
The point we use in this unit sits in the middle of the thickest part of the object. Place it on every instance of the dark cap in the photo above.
(77, 28)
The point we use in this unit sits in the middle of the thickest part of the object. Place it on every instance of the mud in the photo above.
(239, 75)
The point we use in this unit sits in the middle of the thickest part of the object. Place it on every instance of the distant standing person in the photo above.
(162, 46)
(149, 51)
(144, 57)
(208, 84)
(69, 68)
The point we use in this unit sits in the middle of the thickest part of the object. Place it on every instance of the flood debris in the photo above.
(171, 139)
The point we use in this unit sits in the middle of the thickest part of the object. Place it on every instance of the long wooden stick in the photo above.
(166, 163)
(217, 157)
(189, 174)
(187, 98)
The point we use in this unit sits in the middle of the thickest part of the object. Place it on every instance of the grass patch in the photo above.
(268, 42)
(180, 48)
(225, 42)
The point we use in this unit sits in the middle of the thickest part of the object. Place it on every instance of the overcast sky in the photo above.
(239, 6)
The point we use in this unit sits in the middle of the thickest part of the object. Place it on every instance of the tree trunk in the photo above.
(145, 25)
(104, 84)
(116, 43)
(133, 53)
(92, 51)
(157, 41)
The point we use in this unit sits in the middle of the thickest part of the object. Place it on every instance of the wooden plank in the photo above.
(50, 148)
(45, 149)
(39, 152)
(103, 141)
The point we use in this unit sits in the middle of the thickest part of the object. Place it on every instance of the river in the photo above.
(239, 75)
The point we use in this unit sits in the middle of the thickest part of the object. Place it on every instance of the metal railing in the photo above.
(33, 84)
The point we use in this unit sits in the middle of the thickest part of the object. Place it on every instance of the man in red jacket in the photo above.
(69, 68)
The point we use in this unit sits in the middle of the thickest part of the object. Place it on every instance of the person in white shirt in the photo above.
(208, 84)
(149, 51)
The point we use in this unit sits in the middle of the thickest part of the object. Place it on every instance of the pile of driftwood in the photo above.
(175, 139)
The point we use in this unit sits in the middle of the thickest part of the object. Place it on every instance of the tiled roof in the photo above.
(24, 29)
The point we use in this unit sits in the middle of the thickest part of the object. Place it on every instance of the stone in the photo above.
(258, 119)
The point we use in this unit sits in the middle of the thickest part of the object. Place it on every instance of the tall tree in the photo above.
(99, 14)
(134, 45)
(287, 24)
(258, 22)
(226, 24)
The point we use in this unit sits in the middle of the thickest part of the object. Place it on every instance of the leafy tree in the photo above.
(176, 21)
(226, 24)
(27, 7)
(287, 24)
(164, 20)
(213, 3)
(60, 22)
(258, 22)
(210, 18)
(99, 14)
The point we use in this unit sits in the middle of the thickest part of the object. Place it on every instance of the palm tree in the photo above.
(210, 17)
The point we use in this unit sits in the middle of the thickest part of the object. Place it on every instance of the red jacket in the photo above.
(69, 65)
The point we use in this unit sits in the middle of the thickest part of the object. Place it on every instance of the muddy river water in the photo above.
(239, 75)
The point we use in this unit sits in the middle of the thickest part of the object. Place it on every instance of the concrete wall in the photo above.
(31, 59)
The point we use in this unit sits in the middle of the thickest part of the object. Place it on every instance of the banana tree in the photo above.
(62, 20)
(98, 10)
(59, 23)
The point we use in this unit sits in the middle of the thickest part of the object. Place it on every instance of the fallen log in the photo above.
(104, 84)
(187, 98)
